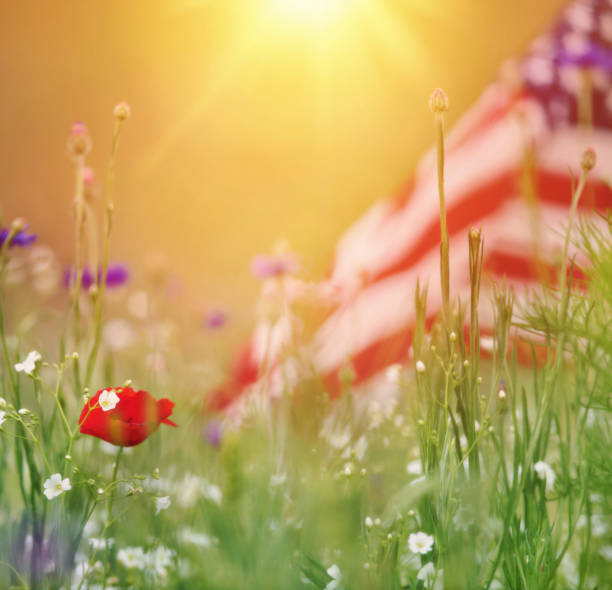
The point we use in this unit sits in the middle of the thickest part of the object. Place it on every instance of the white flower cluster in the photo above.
(187, 491)
(157, 560)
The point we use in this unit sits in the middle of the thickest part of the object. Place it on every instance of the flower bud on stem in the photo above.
(438, 104)
(78, 275)
(476, 254)
(121, 113)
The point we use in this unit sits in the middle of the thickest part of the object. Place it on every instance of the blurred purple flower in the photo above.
(21, 238)
(117, 275)
(264, 266)
(589, 55)
(213, 433)
(215, 319)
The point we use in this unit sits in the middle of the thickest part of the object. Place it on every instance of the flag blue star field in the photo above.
(510, 161)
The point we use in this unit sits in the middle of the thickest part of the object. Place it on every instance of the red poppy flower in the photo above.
(124, 417)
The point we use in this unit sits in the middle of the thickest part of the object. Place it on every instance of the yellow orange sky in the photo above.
(250, 122)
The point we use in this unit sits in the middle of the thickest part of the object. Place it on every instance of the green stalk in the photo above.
(444, 246)
(553, 372)
(110, 185)
(80, 163)
(109, 511)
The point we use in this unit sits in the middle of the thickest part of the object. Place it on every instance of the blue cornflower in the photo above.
(21, 238)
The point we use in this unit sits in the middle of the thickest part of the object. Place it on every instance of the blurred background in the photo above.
(253, 121)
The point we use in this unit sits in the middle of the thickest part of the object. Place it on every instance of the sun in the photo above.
(318, 12)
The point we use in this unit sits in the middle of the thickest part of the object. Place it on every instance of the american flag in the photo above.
(508, 170)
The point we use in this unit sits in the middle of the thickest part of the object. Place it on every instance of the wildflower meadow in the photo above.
(479, 463)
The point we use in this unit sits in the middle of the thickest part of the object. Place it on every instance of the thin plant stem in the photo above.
(109, 509)
(444, 245)
(78, 280)
(110, 185)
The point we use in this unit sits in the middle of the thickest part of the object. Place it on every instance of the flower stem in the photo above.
(80, 162)
(109, 511)
(444, 246)
(108, 218)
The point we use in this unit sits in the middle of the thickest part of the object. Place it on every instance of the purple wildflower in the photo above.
(264, 267)
(213, 433)
(215, 319)
(117, 275)
(21, 238)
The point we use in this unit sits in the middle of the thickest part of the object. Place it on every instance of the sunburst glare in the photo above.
(317, 12)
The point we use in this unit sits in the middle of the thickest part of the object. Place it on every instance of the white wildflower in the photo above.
(159, 559)
(430, 578)
(187, 535)
(369, 522)
(213, 493)
(393, 374)
(420, 542)
(108, 400)
(420, 367)
(99, 543)
(334, 573)
(29, 364)
(414, 467)
(162, 503)
(2, 417)
(487, 343)
(545, 472)
(54, 486)
(2, 403)
(132, 557)
(24, 412)
(189, 490)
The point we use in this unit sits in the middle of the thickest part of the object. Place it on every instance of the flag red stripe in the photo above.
(552, 188)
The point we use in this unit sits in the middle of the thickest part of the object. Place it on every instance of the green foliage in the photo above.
(461, 471)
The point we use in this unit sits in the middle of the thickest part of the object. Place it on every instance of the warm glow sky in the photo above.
(253, 120)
